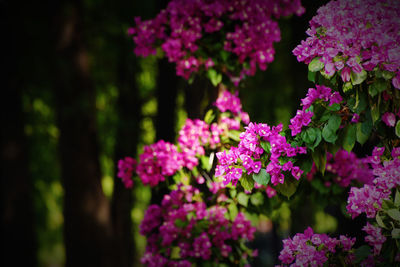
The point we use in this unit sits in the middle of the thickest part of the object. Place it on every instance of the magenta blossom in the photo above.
(389, 119)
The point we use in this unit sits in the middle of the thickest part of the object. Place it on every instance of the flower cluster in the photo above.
(187, 30)
(157, 161)
(368, 199)
(183, 221)
(346, 167)
(193, 137)
(227, 101)
(259, 139)
(374, 237)
(230, 102)
(303, 116)
(352, 36)
(310, 249)
(126, 167)
(164, 159)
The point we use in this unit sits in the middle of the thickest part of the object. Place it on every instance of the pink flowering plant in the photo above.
(312, 249)
(183, 231)
(225, 167)
(227, 40)
(354, 46)
(193, 226)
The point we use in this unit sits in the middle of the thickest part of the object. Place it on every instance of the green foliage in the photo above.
(257, 199)
(214, 76)
(312, 137)
(358, 78)
(329, 130)
(243, 199)
(247, 182)
(289, 187)
(315, 65)
(397, 128)
(350, 137)
(362, 253)
(262, 177)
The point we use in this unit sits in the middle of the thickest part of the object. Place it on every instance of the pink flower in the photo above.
(126, 167)
(374, 237)
(157, 161)
(311, 249)
(396, 81)
(270, 191)
(389, 119)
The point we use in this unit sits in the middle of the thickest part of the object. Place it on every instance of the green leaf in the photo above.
(247, 182)
(325, 116)
(262, 177)
(334, 107)
(396, 233)
(208, 118)
(397, 199)
(362, 253)
(214, 76)
(181, 224)
(312, 137)
(350, 137)
(311, 76)
(175, 253)
(266, 146)
(329, 131)
(318, 139)
(361, 102)
(257, 199)
(306, 164)
(397, 128)
(366, 126)
(315, 65)
(372, 91)
(375, 114)
(334, 122)
(361, 137)
(319, 158)
(357, 78)
(387, 75)
(205, 163)
(387, 204)
(233, 211)
(378, 86)
(224, 54)
(329, 135)
(347, 87)
(234, 135)
(309, 135)
(243, 199)
(232, 192)
(394, 214)
(380, 221)
(288, 188)
(334, 148)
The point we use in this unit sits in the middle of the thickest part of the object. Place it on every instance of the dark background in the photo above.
(75, 99)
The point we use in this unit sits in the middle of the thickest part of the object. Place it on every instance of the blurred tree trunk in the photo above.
(17, 218)
(194, 94)
(87, 225)
(128, 106)
(166, 93)
(167, 90)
